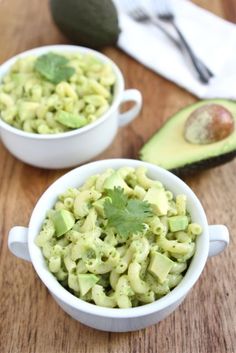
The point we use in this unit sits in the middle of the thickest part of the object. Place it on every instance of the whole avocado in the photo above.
(91, 23)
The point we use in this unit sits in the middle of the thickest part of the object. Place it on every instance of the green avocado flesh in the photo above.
(86, 282)
(70, 120)
(177, 223)
(63, 221)
(160, 266)
(169, 149)
(158, 200)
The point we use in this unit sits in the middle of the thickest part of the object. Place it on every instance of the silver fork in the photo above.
(140, 15)
(165, 13)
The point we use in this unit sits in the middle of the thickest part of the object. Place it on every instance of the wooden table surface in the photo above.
(30, 320)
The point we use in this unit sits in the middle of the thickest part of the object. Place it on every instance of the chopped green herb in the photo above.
(126, 216)
(54, 67)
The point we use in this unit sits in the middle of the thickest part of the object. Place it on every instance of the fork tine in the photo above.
(134, 14)
(128, 6)
(135, 10)
(162, 7)
(138, 14)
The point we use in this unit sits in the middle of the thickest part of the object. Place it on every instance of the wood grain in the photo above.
(30, 321)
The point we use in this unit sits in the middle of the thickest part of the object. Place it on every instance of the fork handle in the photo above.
(203, 72)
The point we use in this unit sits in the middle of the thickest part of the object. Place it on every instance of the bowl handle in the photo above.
(130, 95)
(219, 239)
(18, 242)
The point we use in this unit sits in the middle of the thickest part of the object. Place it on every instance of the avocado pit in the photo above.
(208, 124)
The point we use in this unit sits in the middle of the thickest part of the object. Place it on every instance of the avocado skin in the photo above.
(92, 23)
(191, 169)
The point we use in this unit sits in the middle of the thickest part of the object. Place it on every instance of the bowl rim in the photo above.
(172, 297)
(65, 48)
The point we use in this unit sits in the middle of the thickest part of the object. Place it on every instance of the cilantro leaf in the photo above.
(62, 73)
(53, 67)
(119, 199)
(126, 216)
(141, 209)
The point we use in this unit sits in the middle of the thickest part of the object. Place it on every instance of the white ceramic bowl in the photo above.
(71, 148)
(212, 241)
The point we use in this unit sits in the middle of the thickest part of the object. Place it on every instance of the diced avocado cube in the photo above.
(160, 265)
(158, 199)
(63, 221)
(177, 223)
(115, 181)
(99, 206)
(86, 282)
(70, 120)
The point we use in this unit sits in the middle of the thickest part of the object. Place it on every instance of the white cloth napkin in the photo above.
(212, 39)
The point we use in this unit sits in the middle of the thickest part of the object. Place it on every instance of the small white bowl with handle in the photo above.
(67, 149)
(212, 241)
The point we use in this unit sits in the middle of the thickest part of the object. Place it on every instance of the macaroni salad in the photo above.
(119, 240)
(56, 93)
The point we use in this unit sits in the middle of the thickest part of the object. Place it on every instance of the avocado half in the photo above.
(168, 148)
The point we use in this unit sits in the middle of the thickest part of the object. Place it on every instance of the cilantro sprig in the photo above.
(127, 216)
(54, 67)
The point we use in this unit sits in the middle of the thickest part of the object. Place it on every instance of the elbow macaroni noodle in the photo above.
(31, 103)
(121, 268)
